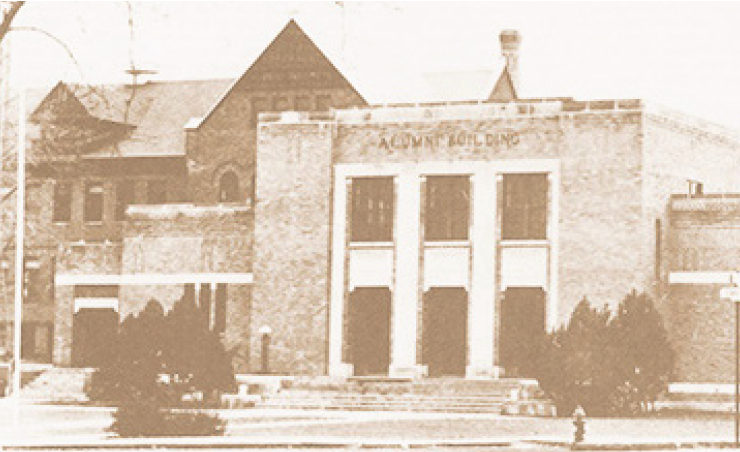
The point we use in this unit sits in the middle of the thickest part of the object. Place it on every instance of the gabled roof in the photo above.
(292, 60)
(154, 112)
(504, 90)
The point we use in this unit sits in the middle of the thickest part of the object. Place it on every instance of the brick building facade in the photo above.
(406, 240)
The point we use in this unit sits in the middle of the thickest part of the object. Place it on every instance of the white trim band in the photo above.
(700, 277)
(96, 303)
(146, 279)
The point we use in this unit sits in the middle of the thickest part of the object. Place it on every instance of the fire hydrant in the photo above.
(579, 422)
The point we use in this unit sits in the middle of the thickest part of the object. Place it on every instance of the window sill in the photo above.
(61, 222)
(93, 223)
(370, 245)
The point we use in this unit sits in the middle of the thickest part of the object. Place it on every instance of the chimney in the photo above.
(510, 40)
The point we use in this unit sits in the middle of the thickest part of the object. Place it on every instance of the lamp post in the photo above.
(733, 294)
(265, 333)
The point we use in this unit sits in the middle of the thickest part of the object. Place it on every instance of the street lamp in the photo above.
(733, 294)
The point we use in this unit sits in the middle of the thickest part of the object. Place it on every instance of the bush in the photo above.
(608, 363)
(158, 359)
(148, 419)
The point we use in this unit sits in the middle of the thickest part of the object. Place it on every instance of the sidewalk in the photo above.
(80, 428)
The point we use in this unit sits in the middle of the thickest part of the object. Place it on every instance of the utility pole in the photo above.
(20, 223)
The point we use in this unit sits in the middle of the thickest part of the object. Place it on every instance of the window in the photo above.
(280, 104)
(219, 317)
(93, 208)
(524, 207)
(125, 195)
(156, 191)
(228, 187)
(447, 213)
(323, 102)
(32, 284)
(259, 105)
(372, 209)
(303, 103)
(62, 210)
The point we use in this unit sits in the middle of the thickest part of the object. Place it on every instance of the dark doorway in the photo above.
(522, 329)
(36, 342)
(369, 325)
(445, 331)
(93, 335)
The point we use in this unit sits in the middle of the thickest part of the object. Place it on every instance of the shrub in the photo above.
(158, 358)
(609, 363)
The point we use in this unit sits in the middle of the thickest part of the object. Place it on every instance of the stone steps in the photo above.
(454, 395)
(57, 385)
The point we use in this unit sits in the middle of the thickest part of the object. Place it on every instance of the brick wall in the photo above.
(291, 260)
(600, 202)
(189, 239)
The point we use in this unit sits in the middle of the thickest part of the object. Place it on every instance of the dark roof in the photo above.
(291, 60)
(504, 90)
(156, 111)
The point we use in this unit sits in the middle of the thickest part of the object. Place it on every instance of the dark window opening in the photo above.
(124, 197)
(372, 209)
(259, 105)
(303, 103)
(93, 208)
(228, 187)
(219, 316)
(156, 192)
(323, 102)
(524, 207)
(62, 210)
(32, 282)
(447, 213)
(280, 104)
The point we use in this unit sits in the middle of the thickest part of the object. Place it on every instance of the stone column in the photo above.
(481, 324)
(406, 293)
(338, 268)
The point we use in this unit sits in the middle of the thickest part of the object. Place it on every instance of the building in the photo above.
(406, 240)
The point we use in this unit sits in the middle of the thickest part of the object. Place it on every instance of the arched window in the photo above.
(228, 187)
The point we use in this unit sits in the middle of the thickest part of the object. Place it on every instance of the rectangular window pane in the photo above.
(124, 197)
(372, 209)
(323, 102)
(280, 104)
(259, 105)
(62, 210)
(303, 103)
(156, 192)
(219, 317)
(93, 208)
(447, 213)
(524, 207)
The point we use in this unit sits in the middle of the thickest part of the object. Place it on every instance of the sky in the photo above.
(682, 55)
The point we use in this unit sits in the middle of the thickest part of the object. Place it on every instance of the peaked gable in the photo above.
(59, 103)
(504, 90)
(290, 61)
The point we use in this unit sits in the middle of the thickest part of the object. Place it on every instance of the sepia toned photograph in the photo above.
(340, 225)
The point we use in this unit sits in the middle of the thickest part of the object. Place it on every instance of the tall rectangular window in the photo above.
(303, 103)
(93, 206)
(156, 191)
(125, 194)
(323, 102)
(372, 209)
(62, 209)
(524, 207)
(259, 105)
(447, 213)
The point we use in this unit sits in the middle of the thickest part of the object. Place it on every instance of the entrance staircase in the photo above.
(57, 385)
(451, 395)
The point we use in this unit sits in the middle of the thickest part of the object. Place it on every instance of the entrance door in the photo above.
(445, 331)
(369, 337)
(94, 332)
(522, 329)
